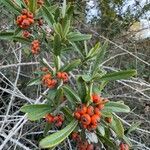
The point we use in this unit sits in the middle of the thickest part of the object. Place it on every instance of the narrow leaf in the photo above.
(118, 75)
(117, 126)
(116, 107)
(76, 36)
(6, 35)
(71, 94)
(36, 111)
(57, 45)
(64, 8)
(99, 57)
(56, 138)
(35, 81)
(12, 6)
(48, 16)
(71, 65)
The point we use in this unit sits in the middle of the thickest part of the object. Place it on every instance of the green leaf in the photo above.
(35, 81)
(64, 8)
(133, 127)
(56, 138)
(117, 126)
(57, 44)
(127, 141)
(6, 35)
(118, 75)
(71, 65)
(81, 85)
(107, 141)
(116, 107)
(48, 16)
(67, 112)
(45, 62)
(58, 29)
(20, 3)
(71, 95)
(36, 111)
(12, 6)
(101, 130)
(77, 36)
(21, 40)
(66, 26)
(32, 5)
(94, 51)
(99, 57)
(86, 78)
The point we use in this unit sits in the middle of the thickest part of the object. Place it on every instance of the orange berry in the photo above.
(85, 119)
(123, 146)
(96, 98)
(97, 111)
(30, 15)
(92, 127)
(108, 119)
(58, 124)
(90, 110)
(77, 115)
(46, 76)
(60, 117)
(65, 76)
(49, 118)
(95, 119)
(59, 75)
(53, 82)
(82, 109)
(90, 147)
(25, 24)
(100, 106)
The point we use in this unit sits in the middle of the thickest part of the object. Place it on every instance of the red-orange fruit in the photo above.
(100, 106)
(95, 119)
(96, 98)
(90, 110)
(90, 147)
(49, 118)
(77, 115)
(85, 119)
(82, 109)
(97, 111)
(123, 146)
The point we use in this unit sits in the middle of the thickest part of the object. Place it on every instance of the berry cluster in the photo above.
(57, 120)
(35, 47)
(81, 145)
(63, 76)
(123, 146)
(48, 81)
(25, 20)
(89, 116)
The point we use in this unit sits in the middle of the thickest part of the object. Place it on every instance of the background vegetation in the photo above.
(113, 25)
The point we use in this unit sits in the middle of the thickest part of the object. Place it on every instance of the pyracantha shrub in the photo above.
(75, 80)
